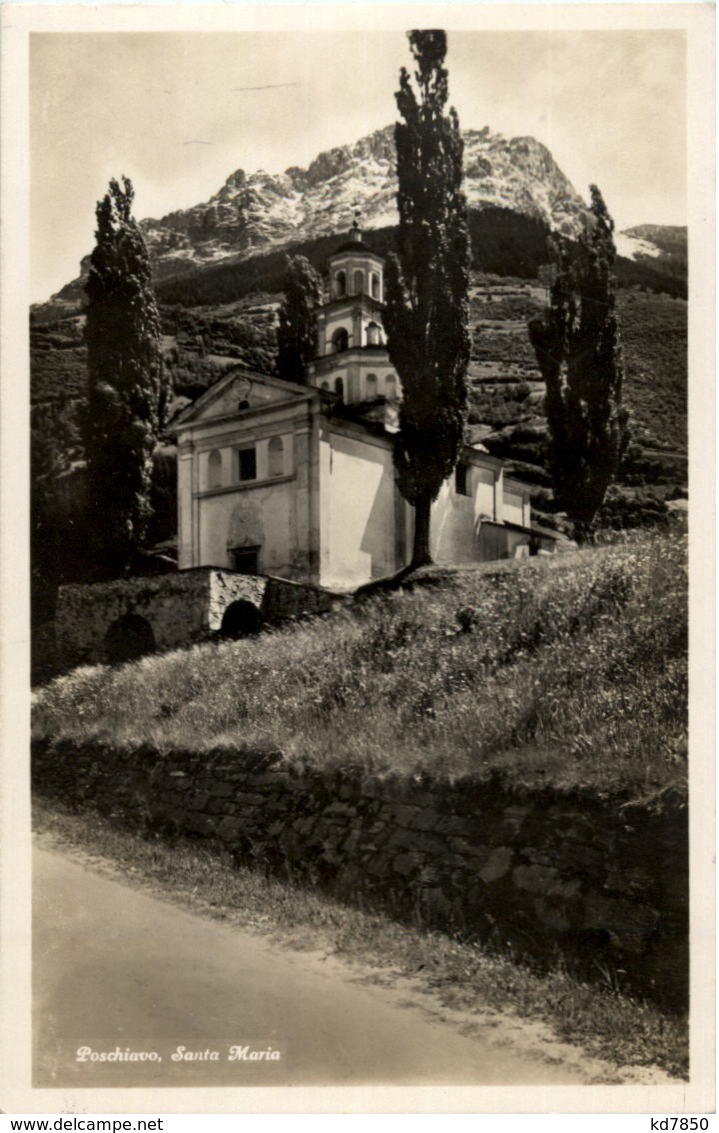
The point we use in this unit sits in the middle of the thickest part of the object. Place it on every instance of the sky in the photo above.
(178, 112)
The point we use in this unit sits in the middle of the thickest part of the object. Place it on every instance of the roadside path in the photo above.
(114, 967)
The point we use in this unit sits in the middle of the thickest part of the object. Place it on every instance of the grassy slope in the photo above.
(574, 675)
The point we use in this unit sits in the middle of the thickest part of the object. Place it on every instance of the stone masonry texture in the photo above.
(603, 887)
(181, 608)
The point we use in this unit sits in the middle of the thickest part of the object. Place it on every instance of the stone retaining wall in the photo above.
(545, 875)
(181, 608)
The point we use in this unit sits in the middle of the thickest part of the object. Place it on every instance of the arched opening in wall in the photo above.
(371, 387)
(240, 619)
(244, 404)
(374, 285)
(358, 282)
(214, 469)
(340, 388)
(340, 340)
(325, 385)
(276, 456)
(128, 638)
(373, 335)
(340, 284)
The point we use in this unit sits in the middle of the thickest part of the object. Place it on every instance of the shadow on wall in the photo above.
(240, 619)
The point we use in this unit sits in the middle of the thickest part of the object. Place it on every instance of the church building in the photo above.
(298, 481)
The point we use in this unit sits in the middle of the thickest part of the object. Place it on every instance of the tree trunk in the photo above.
(420, 551)
(583, 531)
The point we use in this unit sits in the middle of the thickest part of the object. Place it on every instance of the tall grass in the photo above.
(574, 677)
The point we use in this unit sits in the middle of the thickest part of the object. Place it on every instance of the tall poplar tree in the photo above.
(578, 350)
(426, 283)
(297, 329)
(126, 392)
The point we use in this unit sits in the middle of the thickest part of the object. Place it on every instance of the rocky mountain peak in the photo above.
(255, 212)
(378, 146)
(261, 210)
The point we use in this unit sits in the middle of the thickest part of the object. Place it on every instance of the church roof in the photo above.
(355, 242)
(195, 409)
(353, 246)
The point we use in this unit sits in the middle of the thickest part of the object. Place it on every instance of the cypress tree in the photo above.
(56, 537)
(578, 350)
(126, 390)
(426, 282)
(297, 329)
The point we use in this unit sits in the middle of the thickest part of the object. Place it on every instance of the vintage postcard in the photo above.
(357, 450)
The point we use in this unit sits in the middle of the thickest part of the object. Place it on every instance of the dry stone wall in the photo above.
(548, 876)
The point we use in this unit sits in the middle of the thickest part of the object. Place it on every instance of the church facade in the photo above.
(297, 481)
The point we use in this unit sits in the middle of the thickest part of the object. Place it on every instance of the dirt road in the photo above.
(117, 971)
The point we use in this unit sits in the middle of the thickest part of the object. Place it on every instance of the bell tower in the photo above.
(352, 359)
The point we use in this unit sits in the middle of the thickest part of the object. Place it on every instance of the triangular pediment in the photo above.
(239, 391)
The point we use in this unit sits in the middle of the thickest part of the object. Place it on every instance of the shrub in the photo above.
(621, 511)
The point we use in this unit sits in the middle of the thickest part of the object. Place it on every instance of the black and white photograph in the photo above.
(358, 505)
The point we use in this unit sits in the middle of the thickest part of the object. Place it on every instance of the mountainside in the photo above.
(658, 238)
(659, 247)
(260, 211)
(201, 339)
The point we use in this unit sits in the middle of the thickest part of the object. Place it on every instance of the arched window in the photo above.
(276, 456)
(390, 387)
(371, 386)
(340, 284)
(214, 469)
(374, 285)
(373, 335)
(358, 282)
(340, 388)
(325, 385)
(244, 404)
(340, 340)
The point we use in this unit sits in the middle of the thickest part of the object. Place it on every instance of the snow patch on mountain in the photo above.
(260, 211)
(632, 246)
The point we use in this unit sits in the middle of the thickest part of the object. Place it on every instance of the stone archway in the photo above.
(241, 619)
(128, 638)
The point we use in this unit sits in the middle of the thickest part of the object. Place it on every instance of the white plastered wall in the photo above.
(273, 511)
(263, 517)
(457, 519)
(357, 526)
